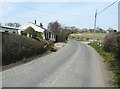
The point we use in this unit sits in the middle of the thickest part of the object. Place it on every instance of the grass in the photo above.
(110, 60)
(108, 56)
(88, 36)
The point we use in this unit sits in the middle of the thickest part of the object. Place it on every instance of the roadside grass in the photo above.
(109, 57)
(110, 60)
(87, 36)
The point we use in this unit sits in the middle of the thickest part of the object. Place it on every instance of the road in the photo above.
(75, 65)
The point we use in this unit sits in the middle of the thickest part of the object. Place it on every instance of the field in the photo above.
(88, 36)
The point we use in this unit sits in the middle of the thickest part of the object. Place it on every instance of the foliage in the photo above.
(111, 53)
(54, 27)
(108, 56)
(13, 24)
(39, 34)
(60, 32)
(110, 42)
(32, 33)
(16, 48)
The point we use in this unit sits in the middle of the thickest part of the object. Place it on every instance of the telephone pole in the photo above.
(97, 13)
(95, 23)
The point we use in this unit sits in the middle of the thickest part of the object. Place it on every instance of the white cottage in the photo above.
(9, 29)
(48, 35)
(34, 26)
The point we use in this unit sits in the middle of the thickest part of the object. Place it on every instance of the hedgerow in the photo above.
(16, 48)
(110, 51)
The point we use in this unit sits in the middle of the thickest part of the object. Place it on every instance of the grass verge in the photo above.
(87, 36)
(111, 61)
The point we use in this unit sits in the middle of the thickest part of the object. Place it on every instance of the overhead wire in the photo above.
(12, 14)
(107, 7)
(50, 12)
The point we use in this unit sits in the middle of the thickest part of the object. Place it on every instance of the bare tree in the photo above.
(13, 24)
(54, 27)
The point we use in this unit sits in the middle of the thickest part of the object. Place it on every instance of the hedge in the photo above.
(16, 48)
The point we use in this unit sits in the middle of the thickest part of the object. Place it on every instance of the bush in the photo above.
(111, 42)
(32, 33)
(16, 48)
(108, 42)
(39, 35)
(111, 53)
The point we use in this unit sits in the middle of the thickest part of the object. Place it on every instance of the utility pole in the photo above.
(95, 23)
(97, 13)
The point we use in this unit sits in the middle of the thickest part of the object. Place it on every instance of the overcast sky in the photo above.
(78, 14)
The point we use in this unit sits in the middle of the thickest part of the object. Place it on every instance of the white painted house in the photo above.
(30, 24)
(46, 34)
(9, 29)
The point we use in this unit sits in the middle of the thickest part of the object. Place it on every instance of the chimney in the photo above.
(41, 25)
(35, 21)
(15, 24)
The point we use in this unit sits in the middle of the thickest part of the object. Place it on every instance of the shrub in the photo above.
(109, 42)
(16, 48)
(39, 34)
(111, 53)
(32, 33)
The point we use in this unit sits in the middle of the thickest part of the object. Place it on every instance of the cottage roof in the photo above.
(34, 26)
(8, 27)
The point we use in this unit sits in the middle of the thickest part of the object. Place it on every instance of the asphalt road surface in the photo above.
(75, 65)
